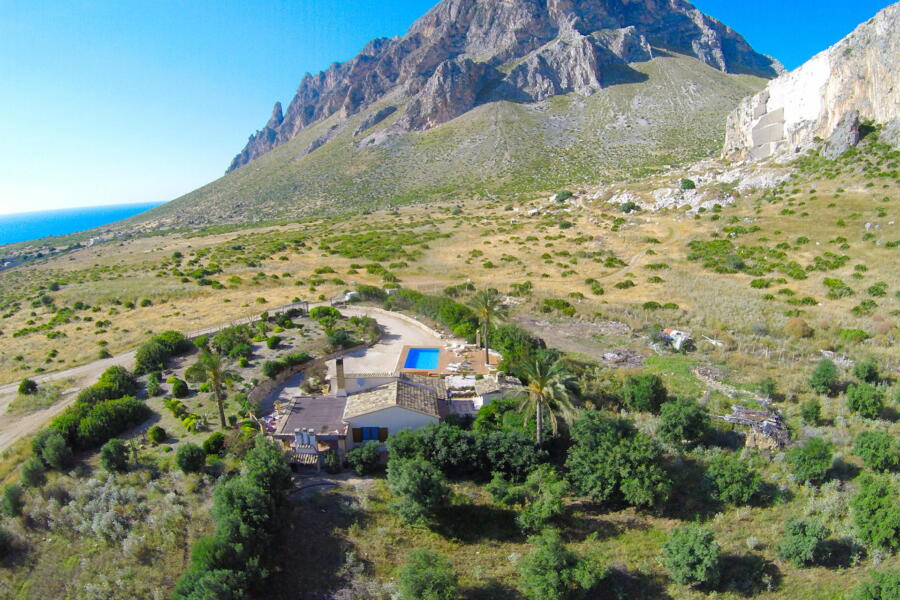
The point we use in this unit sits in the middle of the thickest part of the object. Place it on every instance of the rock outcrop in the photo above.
(825, 99)
(466, 52)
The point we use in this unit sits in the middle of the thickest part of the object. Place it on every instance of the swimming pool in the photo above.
(422, 358)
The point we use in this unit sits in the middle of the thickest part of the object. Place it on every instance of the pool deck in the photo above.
(448, 356)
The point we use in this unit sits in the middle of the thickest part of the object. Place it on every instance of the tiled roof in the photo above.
(400, 393)
(322, 414)
(502, 384)
(435, 383)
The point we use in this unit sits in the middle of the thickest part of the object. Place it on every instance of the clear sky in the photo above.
(124, 101)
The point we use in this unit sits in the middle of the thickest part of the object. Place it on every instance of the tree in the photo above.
(546, 393)
(267, 467)
(114, 456)
(682, 421)
(876, 512)
(214, 445)
(610, 459)
(881, 586)
(212, 368)
(180, 388)
(866, 370)
(190, 458)
(489, 308)
(878, 450)
(553, 572)
(731, 480)
(28, 387)
(691, 554)
(811, 461)
(427, 576)
(56, 452)
(364, 459)
(825, 377)
(420, 487)
(865, 399)
(539, 499)
(644, 393)
(157, 435)
(11, 502)
(802, 542)
(33, 474)
(811, 411)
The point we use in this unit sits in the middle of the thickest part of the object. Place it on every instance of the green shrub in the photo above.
(427, 576)
(153, 354)
(866, 370)
(33, 474)
(682, 421)
(691, 555)
(157, 435)
(802, 542)
(553, 572)
(190, 458)
(825, 377)
(114, 456)
(687, 184)
(11, 501)
(810, 462)
(539, 500)
(865, 399)
(273, 342)
(876, 512)
(56, 452)
(107, 419)
(28, 387)
(420, 488)
(364, 459)
(811, 411)
(180, 388)
(880, 586)
(214, 445)
(878, 450)
(730, 480)
(644, 393)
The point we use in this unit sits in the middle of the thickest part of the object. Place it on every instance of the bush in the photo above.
(553, 572)
(811, 411)
(33, 474)
(114, 456)
(190, 458)
(539, 500)
(825, 378)
(811, 461)
(687, 184)
(28, 387)
(682, 421)
(56, 452)
(876, 512)
(180, 388)
(157, 435)
(420, 486)
(878, 450)
(214, 445)
(865, 399)
(427, 576)
(691, 554)
(731, 480)
(798, 328)
(802, 542)
(324, 313)
(881, 586)
(153, 354)
(107, 419)
(11, 502)
(118, 381)
(644, 393)
(866, 370)
(273, 342)
(364, 459)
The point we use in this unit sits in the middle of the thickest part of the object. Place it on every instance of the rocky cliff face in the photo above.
(824, 100)
(466, 52)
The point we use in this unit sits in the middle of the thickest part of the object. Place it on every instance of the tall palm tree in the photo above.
(489, 308)
(547, 392)
(212, 368)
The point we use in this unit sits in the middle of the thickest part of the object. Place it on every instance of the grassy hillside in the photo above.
(497, 150)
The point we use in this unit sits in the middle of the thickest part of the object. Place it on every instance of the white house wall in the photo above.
(395, 419)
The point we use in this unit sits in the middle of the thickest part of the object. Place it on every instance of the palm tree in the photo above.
(489, 308)
(212, 368)
(547, 392)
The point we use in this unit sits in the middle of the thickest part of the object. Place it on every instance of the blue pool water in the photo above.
(422, 358)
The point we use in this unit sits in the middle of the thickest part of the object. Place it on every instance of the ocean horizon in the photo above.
(23, 227)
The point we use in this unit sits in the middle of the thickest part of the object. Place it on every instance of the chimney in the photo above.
(312, 439)
(341, 380)
(298, 438)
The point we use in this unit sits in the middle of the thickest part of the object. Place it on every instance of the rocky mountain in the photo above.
(826, 99)
(464, 53)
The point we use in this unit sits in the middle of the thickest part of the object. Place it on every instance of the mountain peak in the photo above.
(463, 53)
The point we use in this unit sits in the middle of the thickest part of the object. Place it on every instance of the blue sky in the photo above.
(120, 101)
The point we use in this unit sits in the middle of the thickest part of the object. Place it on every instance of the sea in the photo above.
(22, 227)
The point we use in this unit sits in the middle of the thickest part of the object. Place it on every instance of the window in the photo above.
(370, 434)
